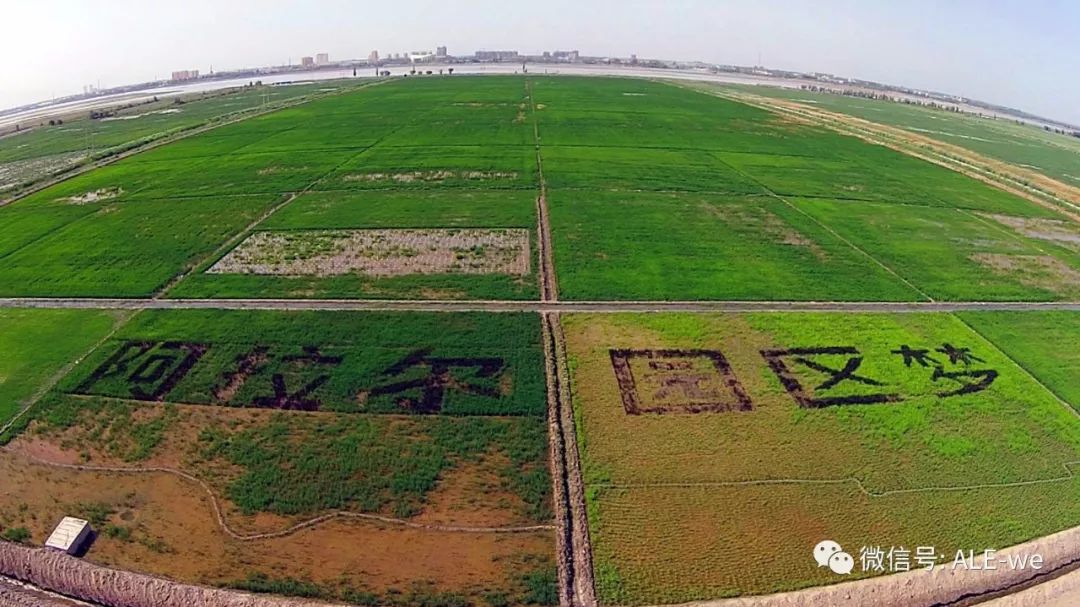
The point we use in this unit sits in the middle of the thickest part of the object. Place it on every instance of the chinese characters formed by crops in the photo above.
(291, 378)
(677, 381)
(696, 381)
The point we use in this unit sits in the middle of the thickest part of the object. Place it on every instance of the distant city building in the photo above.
(496, 55)
(185, 75)
(322, 59)
(307, 61)
(421, 56)
(373, 57)
(633, 59)
(571, 56)
(440, 52)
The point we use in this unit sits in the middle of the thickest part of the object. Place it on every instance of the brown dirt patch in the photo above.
(276, 169)
(380, 252)
(94, 196)
(173, 534)
(1040, 271)
(430, 176)
(764, 222)
(1057, 231)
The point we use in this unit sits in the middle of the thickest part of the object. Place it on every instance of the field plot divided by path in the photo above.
(757, 436)
(427, 420)
(664, 151)
(133, 227)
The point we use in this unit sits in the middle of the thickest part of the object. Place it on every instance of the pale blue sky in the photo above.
(1020, 53)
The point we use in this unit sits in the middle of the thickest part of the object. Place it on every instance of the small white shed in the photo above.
(70, 535)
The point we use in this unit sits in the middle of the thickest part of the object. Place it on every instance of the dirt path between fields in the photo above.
(549, 285)
(567, 307)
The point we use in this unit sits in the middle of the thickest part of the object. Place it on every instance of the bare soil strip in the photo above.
(549, 286)
(379, 252)
(121, 320)
(102, 585)
(576, 582)
(14, 593)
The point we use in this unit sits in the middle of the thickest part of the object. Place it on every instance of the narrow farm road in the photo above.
(414, 305)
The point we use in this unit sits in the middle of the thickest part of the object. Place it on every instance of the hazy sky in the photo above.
(1020, 53)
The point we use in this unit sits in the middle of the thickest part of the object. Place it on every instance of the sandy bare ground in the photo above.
(395, 252)
(1063, 591)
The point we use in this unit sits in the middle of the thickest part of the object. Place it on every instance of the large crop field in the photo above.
(719, 449)
(346, 366)
(419, 423)
(1024, 145)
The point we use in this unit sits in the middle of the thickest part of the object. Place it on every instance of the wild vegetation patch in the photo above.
(380, 252)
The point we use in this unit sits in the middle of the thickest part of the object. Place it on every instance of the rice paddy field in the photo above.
(1024, 145)
(402, 457)
(719, 449)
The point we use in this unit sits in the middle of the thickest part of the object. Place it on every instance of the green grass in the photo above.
(1043, 343)
(713, 247)
(125, 249)
(36, 344)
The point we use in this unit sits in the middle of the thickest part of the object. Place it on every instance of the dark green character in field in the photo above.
(438, 376)
(959, 355)
(921, 356)
(810, 399)
(300, 399)
(147, 370)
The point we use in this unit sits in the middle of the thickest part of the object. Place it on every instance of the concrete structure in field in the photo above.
(496, 55)
(181, 75)
(322, 59)
(70, 536)
(307, 62)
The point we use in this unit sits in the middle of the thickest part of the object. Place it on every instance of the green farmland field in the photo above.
(402, 459)
(1024, 145)
(1043, 343)
(931, 404)
(744, 200)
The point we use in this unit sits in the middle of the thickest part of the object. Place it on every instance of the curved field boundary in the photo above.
(942, 587)
(1068, 476)
(77, 578)
(224, 525)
